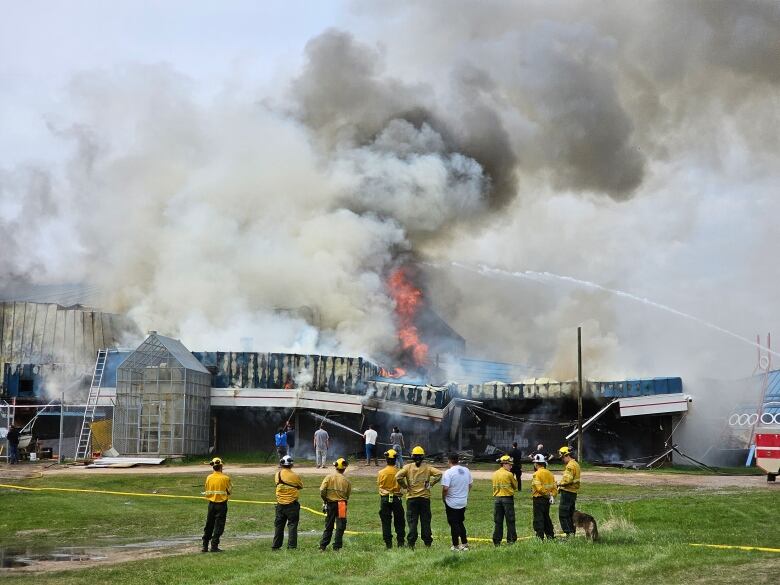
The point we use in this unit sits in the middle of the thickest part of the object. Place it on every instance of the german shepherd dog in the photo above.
(587, 523)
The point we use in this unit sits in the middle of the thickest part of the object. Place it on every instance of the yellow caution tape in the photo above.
(737, 547)
(138, 494)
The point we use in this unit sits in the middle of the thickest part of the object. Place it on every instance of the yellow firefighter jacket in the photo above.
(218, 487)
(570, 482)
(288, 484)
(335, 487)
(543, 484)
(417, 480)
(504, 483)
(386, 481)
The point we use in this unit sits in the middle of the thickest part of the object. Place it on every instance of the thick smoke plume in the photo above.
(630, 145)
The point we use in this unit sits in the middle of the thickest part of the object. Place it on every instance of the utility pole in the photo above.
(60, 458)
(580, 454)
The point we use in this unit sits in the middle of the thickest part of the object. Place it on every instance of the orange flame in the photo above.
(407, 299)
(394, 373)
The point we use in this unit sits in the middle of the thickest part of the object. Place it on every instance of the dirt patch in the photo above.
(67, 559)
(32, 532)
(92, 558)
(756, 572)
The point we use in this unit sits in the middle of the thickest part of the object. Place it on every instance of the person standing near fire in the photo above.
(455, 488)
(370, 436)
(13, 444)
(217, 490)
(280, 441)
(567, 490)
(397, 441)
(417, 478)
(391, 507)
(290, 430)
(543, 493)
(321, 444)
(288, 509)
(504, 488)
(335, 491)
(517, 462)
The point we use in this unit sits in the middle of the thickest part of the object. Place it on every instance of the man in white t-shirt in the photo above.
(370, 435)
(455, 488)
(321, 444)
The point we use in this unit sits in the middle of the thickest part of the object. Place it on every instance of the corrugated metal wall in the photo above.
(46, 333)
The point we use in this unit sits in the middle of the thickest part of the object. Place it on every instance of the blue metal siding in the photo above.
(772, 396)
(630, 388)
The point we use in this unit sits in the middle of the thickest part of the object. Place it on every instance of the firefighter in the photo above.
(217, 491)
(417, 478)
(335, 491)
(390, 504)
(288, 509)
(543, 492)
(504, 488)
(568, 488)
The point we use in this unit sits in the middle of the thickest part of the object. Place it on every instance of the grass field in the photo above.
(646, 536)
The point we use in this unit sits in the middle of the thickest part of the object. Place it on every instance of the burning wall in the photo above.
(280, 370)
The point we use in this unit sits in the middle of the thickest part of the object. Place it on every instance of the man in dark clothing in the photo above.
(517, 470)
(290, 440)
(13, 444)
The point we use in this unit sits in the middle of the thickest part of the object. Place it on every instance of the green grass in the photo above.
(645, 531)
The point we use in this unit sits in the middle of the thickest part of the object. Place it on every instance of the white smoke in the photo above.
(629, 146)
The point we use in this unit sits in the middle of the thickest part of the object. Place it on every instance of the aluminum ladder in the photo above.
(85, 436)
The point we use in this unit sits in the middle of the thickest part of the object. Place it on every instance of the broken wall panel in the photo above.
(47, 334)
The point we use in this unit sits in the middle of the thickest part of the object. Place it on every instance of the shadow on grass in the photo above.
(448, 562)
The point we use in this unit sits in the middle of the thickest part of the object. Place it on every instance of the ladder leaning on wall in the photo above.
(85, 436)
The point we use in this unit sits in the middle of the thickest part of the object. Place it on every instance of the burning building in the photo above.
(170, 401)
(166, 400)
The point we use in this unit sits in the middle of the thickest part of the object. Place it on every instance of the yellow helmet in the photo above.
(504, 459)
(340, 463)
(391, 454)
(215, 461)
(418, 451)
(564, 451)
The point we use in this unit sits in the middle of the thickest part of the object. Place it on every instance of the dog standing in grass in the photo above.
(587, 523)
(217, 492)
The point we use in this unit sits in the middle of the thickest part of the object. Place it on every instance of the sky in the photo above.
(231, 170)
(43, 45)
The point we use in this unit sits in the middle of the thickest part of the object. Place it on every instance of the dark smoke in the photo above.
(346, 97)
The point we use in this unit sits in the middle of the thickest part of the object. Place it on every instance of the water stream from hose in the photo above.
(334, 423)
(546, 277)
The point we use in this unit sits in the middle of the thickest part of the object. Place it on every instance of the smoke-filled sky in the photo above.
(225, 172)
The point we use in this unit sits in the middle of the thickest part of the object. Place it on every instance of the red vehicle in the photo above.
(768, 450)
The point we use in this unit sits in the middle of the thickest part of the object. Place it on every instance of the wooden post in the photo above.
(298, 447)
(580, 454)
